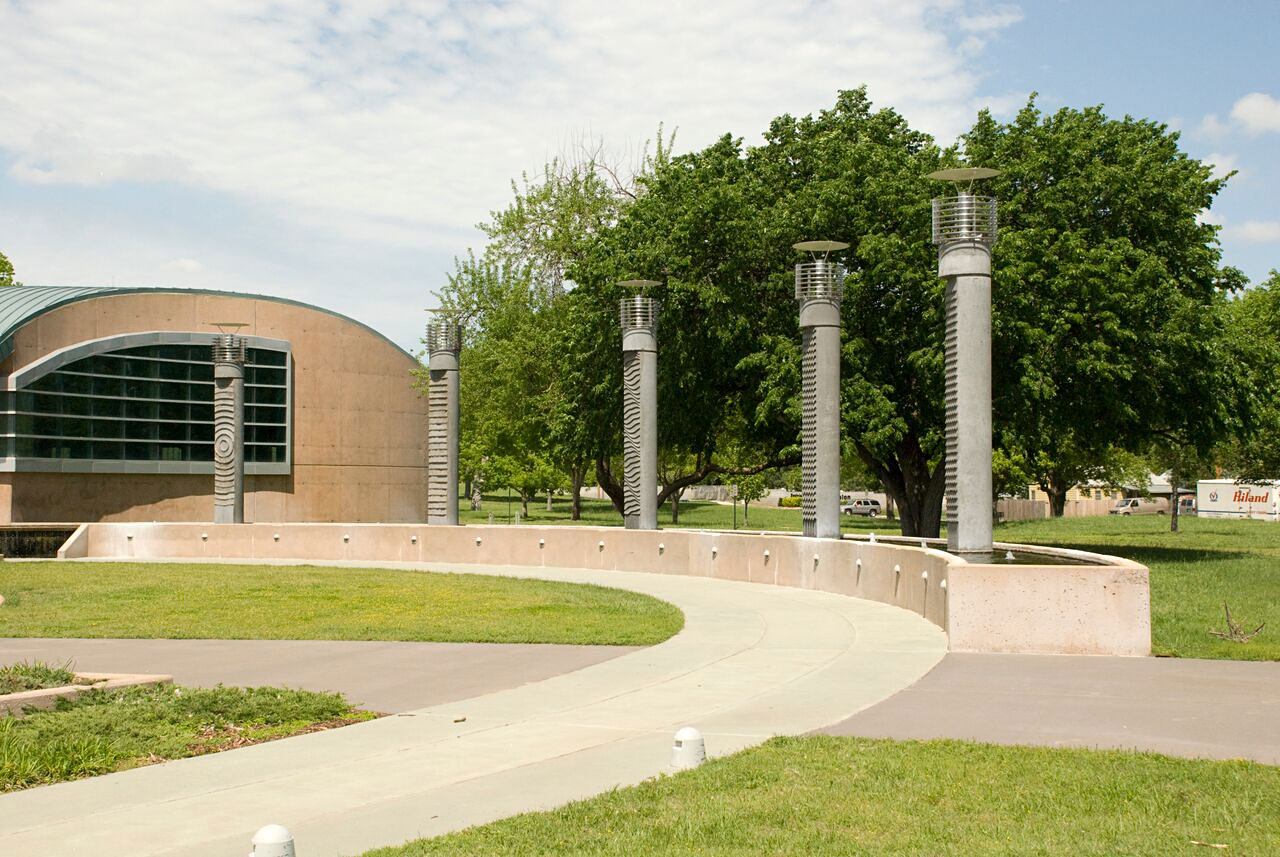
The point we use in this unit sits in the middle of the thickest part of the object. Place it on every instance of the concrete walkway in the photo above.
(1199, 709)
(752, 662)
(378, 676)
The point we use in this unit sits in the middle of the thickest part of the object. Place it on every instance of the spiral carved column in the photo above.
(228, 429)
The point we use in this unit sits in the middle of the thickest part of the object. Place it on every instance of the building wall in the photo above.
(359, 427)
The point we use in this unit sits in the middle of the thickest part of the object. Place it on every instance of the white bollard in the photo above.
(272, 841)
(689, 750)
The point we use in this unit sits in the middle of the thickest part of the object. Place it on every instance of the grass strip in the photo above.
(104, 731)
(240, 602)
(853, 796)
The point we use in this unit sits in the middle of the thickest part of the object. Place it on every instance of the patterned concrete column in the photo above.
(444, 342)
(228, 428)
(964, 228)
(819, 288)
(639, 316)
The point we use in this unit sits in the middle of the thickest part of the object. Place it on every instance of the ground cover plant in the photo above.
(854, 796)
(15, 678)
(242, 602)
(103, 731)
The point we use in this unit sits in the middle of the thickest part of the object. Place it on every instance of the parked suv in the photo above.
(866, 507)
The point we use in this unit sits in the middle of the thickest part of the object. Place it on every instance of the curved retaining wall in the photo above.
(1098, 607)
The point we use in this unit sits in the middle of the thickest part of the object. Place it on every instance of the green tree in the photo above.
(520, 422)
(748, 489)
(1253, 348)
(717, 226)
(1106, 287)
(7, 277)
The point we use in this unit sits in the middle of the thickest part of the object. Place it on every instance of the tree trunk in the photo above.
(604, 478)
(890, 508)
(1053, 488)
(578, 475)
(1173, 495)
(524, 505)
(912, 486)
(745, 505)
(477, 486)
(548, 499)
(675, 505)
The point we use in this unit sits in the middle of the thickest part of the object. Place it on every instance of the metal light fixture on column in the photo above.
(639, 318)
(819, 289)
(228, 423)
(964, 228)
(444, 343)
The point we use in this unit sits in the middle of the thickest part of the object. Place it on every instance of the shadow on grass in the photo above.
(1147, 554)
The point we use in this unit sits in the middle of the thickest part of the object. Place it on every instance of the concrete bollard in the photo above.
(273, 840)
(689, 749)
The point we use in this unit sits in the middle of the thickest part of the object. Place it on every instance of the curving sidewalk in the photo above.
(753, 661)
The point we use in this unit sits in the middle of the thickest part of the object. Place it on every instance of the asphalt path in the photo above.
(389, 677)
(1180, 707)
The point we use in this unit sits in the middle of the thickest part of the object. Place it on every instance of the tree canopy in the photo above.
(1105, 291)
(7, 276)
(1108, 314)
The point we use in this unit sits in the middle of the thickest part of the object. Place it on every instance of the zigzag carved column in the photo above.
(640, 409)
(964, 228)
(819, 288)
(444, 342)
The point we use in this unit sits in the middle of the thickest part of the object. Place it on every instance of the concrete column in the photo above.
(444, 342)
(819, 286)
(640, 412)
(228, 429)
(964, 230)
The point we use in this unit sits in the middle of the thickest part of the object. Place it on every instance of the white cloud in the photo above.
(991, 21)
(1223, 164)
(187, 264)
(1255, 232)
(398, 124)
(420, 113)
(1213, 128)
(1257, 112)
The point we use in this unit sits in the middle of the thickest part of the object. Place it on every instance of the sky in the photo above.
(341, 153)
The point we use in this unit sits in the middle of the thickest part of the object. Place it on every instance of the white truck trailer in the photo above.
(1225, 498)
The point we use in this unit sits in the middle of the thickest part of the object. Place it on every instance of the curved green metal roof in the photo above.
(21, 304)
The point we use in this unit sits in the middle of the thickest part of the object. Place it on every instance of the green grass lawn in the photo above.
(1211, 561)
(241, 602)
(104, 731)
(694, 515)
(854, 796)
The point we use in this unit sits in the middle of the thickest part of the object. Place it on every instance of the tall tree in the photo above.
(717, 226)
(1105, 291)
(1253, 349)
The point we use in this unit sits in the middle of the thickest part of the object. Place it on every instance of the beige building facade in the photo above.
(107, 410)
